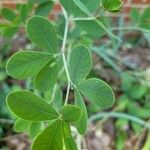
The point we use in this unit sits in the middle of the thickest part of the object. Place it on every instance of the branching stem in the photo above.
(63, 53)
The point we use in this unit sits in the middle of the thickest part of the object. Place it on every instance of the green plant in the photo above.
(48, 121)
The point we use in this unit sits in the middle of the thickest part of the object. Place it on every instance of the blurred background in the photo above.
(125, 66)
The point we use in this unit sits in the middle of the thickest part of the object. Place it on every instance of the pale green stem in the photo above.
(79, 139)
(147, 143)
(124, 28)
(6, 121)
(63, 53)
(53, 94)
(119, 115)
(81, 19)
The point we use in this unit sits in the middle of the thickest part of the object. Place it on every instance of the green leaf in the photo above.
(22, 125)
(10, 31)
(29, 106)
(98, 92)
(134, 15)
(68, 139)
(50, 138)
(145, 19)
(73, 9)
(41, 32)
(91, 28)
(43, 9)
(92, 5)
(47, 77)
(24, 11)
(35, 129)
(82, 122)
(137, 91)
(39, 1)
(58, 96)
(138, 111)
(80, 63)
(8, 14)
(83, 7)
(112, 5)
(71, 113)
(26, 64)
(126, 82)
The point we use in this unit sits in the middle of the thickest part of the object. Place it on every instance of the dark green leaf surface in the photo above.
(43, 9)
(24, 11)
(91, 28)
(79, 64)
(71, 113)
(82, 122)
(47, 77)
(51, 138)
(137, 91)
(8, 14)
(29, 106)
(73, 9)
(98, 92)
(39, 1)
(10, 31)
(25, 64)
(41, 32)
(82, 7)
(135, 16)
(145, 19)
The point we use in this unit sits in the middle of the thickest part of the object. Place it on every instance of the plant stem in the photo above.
(6, 121)
(124, 28)
(53, 94)
(81, 19)
(119, 115)
(63, 53)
